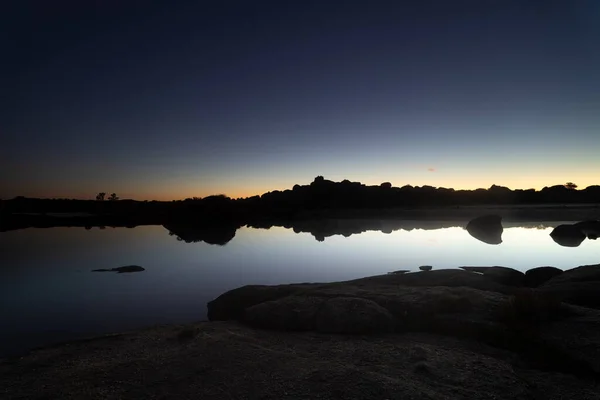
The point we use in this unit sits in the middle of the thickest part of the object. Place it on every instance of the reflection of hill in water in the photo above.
(321, 229)
(221, 234)
(214, 234)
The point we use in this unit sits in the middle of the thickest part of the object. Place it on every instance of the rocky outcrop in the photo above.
(487, 228)
(291, 313)
(353, 315)
(513, 321)
(232, 304)
(584, 273)
(380, 308)
(579, 286)
(537, 276)
(440, 277)
(502, 275)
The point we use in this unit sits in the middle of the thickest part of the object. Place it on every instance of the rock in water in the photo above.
(589, 228)
(120, 270)
(426, 267)
(487, 228)
(568, 235)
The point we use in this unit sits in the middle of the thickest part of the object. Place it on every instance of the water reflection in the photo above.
(487, 229)
(47, 292)
(212, 234)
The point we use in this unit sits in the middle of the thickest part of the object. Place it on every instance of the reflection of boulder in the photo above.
(568, 235)
(503, 275)
(219, 234)
(120, 270)
(537, 276)
(487, 228)
(589, 228)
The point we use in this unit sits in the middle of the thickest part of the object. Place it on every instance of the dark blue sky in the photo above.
(172, 99)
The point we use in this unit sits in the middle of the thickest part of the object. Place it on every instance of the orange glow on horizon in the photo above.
(181, 192)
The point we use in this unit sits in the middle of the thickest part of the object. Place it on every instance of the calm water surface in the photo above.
(48, 294)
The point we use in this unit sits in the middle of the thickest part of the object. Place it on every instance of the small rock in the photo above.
(426, 267)
(120, 270)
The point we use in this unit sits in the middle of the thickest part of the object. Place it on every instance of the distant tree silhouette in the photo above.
(113, 197)
(101, 196)
(386, 185)
(319, 178)
(570, 185)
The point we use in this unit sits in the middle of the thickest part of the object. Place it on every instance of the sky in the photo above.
(173, 99)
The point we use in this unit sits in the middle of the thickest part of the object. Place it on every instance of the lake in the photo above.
(49, 294)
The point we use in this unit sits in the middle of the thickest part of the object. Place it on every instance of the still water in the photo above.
(49, 294)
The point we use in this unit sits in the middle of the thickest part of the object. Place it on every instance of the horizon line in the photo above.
(92, 197)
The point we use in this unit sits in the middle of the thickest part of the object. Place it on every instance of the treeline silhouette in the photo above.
(321, 198)
(326, 194)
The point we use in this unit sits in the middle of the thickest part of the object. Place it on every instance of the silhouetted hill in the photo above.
(320, 199)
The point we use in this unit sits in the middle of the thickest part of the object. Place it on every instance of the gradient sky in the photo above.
(172, 99)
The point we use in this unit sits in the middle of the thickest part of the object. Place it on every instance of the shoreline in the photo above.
(395, 335)
(509, 213)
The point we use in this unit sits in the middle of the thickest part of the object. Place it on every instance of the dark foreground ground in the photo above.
(447, 334)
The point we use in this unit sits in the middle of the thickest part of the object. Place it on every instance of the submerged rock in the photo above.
(487, 228)
(120, 270)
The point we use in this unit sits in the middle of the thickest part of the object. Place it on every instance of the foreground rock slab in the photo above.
(224, 360)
